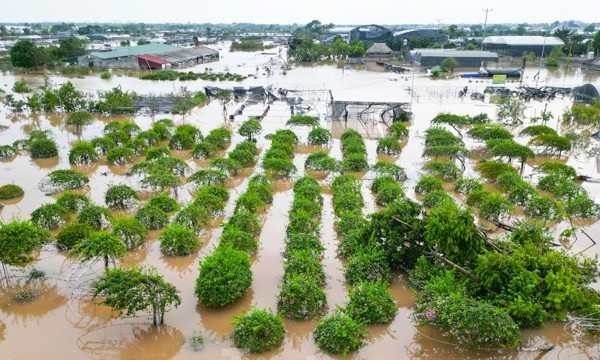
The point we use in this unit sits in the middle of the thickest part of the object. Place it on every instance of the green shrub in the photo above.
(80, 118)
(388, 193)
(49, 216)
(301, 297)
(388, 145)
(319, 137)
(493, 169)
(321, 161)
(258, 331)
(246, 221)
(347, 197)
(98, 217)
(473, 323)
(398, 130)
(542, 207)
(72, 234)
(194, 216)
(350, 222)
(485, 132)
(177, 240)
(250, 128)
(226, 165)
(73, 202)
(238, 239)
(185, 137)
(428, 183)
(67, 179)
(130, 231)
(466, 185)
(120, 155)
(163, 128)
(446, 170)
(338, 333)
(224, 277)
(204, 150)
(82, 153)
(43, 148)
(356, 162)
(19, 241)
(157, 152)
(368, 265)
(303, 263)
(212, 197)
(120, 197)
(393, 170)
(163, 202)
(205, 177)
(105, 75)
(152, 217)
(435, 197)
(371, 303)
(10, 191)
(303, 120)
(279, 167)
(303, 242)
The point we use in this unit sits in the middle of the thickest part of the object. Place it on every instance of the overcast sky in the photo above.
(299, 11)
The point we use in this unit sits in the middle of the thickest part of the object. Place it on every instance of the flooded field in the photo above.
(63, 322)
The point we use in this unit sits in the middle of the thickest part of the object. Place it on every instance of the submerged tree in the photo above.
(101, 244)
(250, 129)
(19, 240)
(137, 289)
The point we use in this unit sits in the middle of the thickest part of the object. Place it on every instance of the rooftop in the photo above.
(379, 48)
(123, 51)
(523, 40)
(455, 53)
(181, 54)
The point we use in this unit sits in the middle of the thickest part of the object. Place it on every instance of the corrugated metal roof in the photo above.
(455, 53)
(181, 54)
(523, 40)
(134, 50)
(151, 58)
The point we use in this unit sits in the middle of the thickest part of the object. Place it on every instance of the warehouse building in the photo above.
(432, 36)
(374, 33)
(517, 45)
(465, 58)
(152, 56)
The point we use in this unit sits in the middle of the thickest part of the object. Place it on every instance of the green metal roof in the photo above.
(134, 50)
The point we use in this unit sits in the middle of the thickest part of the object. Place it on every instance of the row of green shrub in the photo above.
(279, 159)
(366, 271)
(225, 275)
(171, 75)
(354, 151)
(386, 185)
(217, 139)
(301, 294)
(390, 144)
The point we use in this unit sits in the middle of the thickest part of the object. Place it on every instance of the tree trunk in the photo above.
(154, 317)
(105, 261)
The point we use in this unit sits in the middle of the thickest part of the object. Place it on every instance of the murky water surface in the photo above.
(62, 322)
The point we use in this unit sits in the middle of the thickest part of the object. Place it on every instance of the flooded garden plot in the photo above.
(231, 207)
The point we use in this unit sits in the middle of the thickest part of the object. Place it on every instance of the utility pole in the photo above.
(438, 24)
(486, 11)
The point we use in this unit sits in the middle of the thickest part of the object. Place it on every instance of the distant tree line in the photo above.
(28, 55)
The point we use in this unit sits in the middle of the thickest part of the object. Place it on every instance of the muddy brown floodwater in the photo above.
(62, 322)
